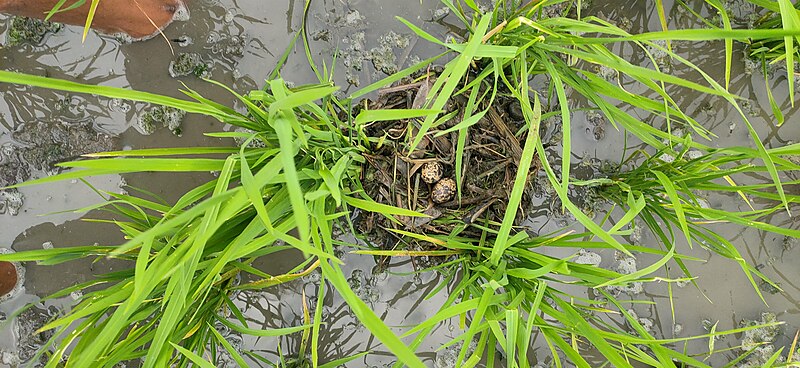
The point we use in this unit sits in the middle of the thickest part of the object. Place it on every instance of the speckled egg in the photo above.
(431, 172)
(8, 277)
(12, 277)
(443, 191)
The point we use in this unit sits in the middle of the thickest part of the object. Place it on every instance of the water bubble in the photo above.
(694, 154)
(118, 104)
(353, 18)
(182, 14)
(76, 295)
(229, 15)
(440, 13)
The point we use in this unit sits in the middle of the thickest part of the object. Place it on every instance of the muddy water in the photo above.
(242, 41)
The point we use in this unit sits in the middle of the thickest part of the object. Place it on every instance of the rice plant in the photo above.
(300, 166)
(780, 15)
(668, 194)
(292, 171)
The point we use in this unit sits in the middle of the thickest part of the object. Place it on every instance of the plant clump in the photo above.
(24, 30)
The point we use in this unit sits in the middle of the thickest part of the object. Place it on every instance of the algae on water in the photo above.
(22, 30)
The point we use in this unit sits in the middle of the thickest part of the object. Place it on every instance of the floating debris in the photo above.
(50, 143)
(353, 18)
(760, 340)
(789, 243)
(11, 201)
(637, 232)
(183, 40)
(190, 64)
(658, 51)
(769, 288)
(750, 107)
(596, 125)
(693, 154)
(354, 55)
(750, 65)
(254, 143)
(646, 323)
(440, 13)
(10, 358)
(383, 57)
(607, 73)
(626, 265)
(168, 117)
(587, 258)
(30, 340)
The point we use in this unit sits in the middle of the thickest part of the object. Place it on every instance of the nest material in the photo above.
(393, 176)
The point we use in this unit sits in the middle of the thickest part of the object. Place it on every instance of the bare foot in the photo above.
(137, 18)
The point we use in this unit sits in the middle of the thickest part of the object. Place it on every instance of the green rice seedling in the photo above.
(522, 301)
(62, 6)
(780, 15)
(517, 41)
(298, 170)
(770, 49)
(293, 170)
(517, 44)
(167, 243)
(667, 193)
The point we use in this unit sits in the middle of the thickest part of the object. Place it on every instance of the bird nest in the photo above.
(424, 180)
